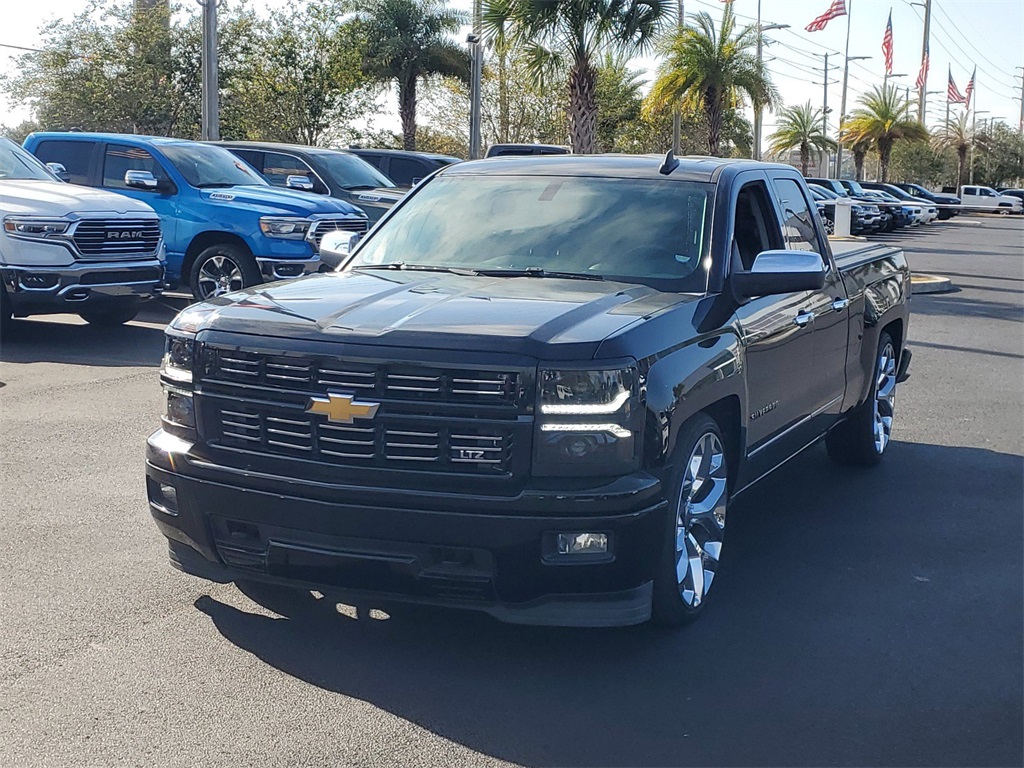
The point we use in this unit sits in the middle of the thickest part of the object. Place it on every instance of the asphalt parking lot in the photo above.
(862, 617)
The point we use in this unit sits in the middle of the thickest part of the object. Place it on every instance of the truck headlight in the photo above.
(286, 227)
(588, 422)
(34, 226)
(177, 360)
(180, 410)
(179, 416)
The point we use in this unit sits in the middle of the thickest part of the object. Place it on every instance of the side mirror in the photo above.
(302, 183)
(336, 247)
(141, 180)
(59, 171)
(778, 272)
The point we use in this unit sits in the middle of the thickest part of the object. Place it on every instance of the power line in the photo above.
(966, 40)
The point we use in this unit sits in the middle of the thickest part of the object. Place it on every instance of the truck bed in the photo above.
(850, 254)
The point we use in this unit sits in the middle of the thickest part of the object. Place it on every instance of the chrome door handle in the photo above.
(840, 304)
(803, 318)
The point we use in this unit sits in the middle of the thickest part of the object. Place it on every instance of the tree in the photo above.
(713, 70)
(620, 102)
(920, 162)
(860, 150)
(800, 128)
(301, 81)
(407, 41)
(571, 35)
(999, 158)
(883, 119)
(955, 135)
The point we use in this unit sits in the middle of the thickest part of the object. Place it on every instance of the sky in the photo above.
(988, 34)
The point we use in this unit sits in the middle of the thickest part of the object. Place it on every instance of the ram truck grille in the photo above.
(117, 238)
(323, 226)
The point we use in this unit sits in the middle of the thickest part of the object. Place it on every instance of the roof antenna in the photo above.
(670, 164)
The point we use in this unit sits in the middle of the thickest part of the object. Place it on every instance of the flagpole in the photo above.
(842, 101)
(922, 95)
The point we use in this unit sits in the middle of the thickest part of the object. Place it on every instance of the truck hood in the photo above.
(274, 200)
(544, 318)
(55, 198)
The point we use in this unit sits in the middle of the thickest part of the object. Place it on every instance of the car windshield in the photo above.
(204, 166)
(824, 191)
(353, 172)
(854, 187)
(649, 231)
(16, 163)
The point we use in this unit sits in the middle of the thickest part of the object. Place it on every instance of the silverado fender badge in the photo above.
(225, 196)
(341, 409)
(762, 411)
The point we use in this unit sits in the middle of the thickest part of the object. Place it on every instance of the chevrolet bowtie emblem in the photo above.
(341, 409)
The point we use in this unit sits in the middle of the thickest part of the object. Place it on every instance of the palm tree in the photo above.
(860, 150)
(957, 136)
(713, 69)
(800, 128)
(574, 34)
(883, 119)
(406, 41)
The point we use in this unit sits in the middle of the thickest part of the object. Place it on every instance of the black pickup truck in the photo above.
(534, 390)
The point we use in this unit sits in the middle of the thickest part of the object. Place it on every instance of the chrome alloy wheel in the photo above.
(700, 519)
(220, 275)
(885, 397)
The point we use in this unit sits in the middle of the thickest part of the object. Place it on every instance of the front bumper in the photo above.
(491, 554)
(285, 269)
(47, 290)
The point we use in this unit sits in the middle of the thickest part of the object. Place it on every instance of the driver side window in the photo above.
(755, 228)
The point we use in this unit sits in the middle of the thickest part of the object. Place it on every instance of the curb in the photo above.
(921, 283)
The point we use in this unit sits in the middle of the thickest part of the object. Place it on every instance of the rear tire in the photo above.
(694, 526)
(222, 268)
(108, 317)
(862, 438)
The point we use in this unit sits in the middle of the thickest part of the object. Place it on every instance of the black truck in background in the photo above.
(534, 391)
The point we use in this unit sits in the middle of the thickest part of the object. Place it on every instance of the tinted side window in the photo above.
(797, 219)
(278, 167)
(377, 161)
(120, 159)
(73, 155)
(251, 156)
(755, 229)
(404, 171)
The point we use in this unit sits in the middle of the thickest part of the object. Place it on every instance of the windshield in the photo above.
(854, 187)
(629, 229)
(353, 172)
(16, 163)
(824, 191)
(203, 165)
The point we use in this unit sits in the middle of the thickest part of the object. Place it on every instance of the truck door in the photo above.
(118, 159)
(776, 337)
(826, 382)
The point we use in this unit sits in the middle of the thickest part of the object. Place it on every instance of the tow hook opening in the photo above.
(78, 294)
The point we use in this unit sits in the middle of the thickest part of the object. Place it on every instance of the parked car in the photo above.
(321, 171)
(518, 150)
(948, 205)
(406, 169)
(988, 200)
(910, 214)
(1018, 193)
(534, 390)
(865, 218)
(225, 227)
(924, 209)
(69, 249)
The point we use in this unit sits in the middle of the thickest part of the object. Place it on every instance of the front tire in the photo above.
(693, 536)
(861, 440)
(222, 268)
(108, 317)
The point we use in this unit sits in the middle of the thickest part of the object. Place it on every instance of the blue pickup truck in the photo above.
(225, 228)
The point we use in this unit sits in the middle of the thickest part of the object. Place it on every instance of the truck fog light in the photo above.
(582, 543)
(162, 496)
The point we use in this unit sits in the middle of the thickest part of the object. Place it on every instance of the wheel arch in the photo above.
(203, 241)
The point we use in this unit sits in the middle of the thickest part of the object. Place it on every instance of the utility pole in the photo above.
(677, 115)
(758, 108)
(211, 80)
(924, 53)
(824, 100)
(476, 54)
(1020, 124)
(974, 134)
(842, 100)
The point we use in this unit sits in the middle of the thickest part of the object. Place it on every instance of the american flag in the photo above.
(970, 89)
(887, 45)
(922, 76)
(837, 9)
(953, 95)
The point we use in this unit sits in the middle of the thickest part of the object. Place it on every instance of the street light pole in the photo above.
(210, 130)
(842, 102)
(758, 108)
(924, 54)
(974, 135)
(476, 53)
(677, 116)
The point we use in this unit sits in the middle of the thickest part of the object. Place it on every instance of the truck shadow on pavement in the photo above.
(862, 617)
(53, 340)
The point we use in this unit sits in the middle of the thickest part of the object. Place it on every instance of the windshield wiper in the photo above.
(360, 187)
(212, 184)
(538, 272)
(402, 266)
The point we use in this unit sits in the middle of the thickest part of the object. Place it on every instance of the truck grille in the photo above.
(106, 238)
(323, 226)
(428, 419)
(292, 432)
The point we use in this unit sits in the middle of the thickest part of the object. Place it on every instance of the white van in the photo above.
(987, 199)
(66, 248)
